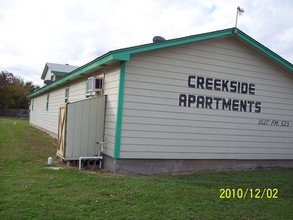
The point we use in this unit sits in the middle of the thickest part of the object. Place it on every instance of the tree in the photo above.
(30, 87)
(14, 91)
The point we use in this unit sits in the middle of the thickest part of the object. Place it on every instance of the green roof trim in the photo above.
(264, 49)
(173, 42)
(97, 62)
(124, 54)
(58, 72)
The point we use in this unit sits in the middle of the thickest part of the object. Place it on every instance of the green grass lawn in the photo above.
(29, 191)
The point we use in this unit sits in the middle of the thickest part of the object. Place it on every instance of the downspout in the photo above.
(119, 111)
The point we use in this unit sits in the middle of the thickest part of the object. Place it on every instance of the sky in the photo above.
(33, 32)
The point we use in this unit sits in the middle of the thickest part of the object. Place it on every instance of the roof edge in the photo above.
(124, 53)
(45, 70)
(58, 72)
(264, 49)
(175, 41)
(79, 71)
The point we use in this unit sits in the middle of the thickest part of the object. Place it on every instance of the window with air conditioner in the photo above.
(94, 84)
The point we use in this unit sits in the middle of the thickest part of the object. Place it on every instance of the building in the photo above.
(54, 71)
(210, 101)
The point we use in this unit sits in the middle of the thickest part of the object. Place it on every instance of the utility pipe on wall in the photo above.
(97, 157)
(92, 158)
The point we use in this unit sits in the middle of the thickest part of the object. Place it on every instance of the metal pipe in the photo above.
(239, 12)
(100, 152)
(92, 158)
(97, 157)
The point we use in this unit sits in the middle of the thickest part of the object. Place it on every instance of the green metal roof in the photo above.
(124, 54)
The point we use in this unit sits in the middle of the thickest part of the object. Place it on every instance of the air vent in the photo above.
(157, 39)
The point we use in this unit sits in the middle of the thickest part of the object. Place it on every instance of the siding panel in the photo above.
(77, 90)
(155, 126)
(48, 120)
(111, 90)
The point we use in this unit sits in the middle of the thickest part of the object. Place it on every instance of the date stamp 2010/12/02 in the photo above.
(249, 193)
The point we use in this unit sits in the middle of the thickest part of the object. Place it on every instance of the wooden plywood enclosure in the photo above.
(61, 129)
(84, 126)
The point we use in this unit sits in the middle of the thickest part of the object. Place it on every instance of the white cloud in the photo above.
(35, 32)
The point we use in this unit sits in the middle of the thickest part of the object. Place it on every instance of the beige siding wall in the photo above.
(44, 119)
(77, 90)
(48, 75)
(155, 126)
(48, 120)
(111, 90)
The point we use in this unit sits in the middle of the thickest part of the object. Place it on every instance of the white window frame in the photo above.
(47, 102)
(66, 98)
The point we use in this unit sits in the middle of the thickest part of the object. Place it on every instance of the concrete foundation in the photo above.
(143, 166)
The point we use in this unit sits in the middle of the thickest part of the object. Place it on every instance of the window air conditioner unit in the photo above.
(94, 84)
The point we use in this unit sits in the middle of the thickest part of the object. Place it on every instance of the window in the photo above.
(94, 85)
(99, 83)
(66, 99)
(32, 104)
(47, 103)
(89, 84)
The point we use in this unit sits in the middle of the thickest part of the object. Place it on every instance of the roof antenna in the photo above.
(239, 12)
